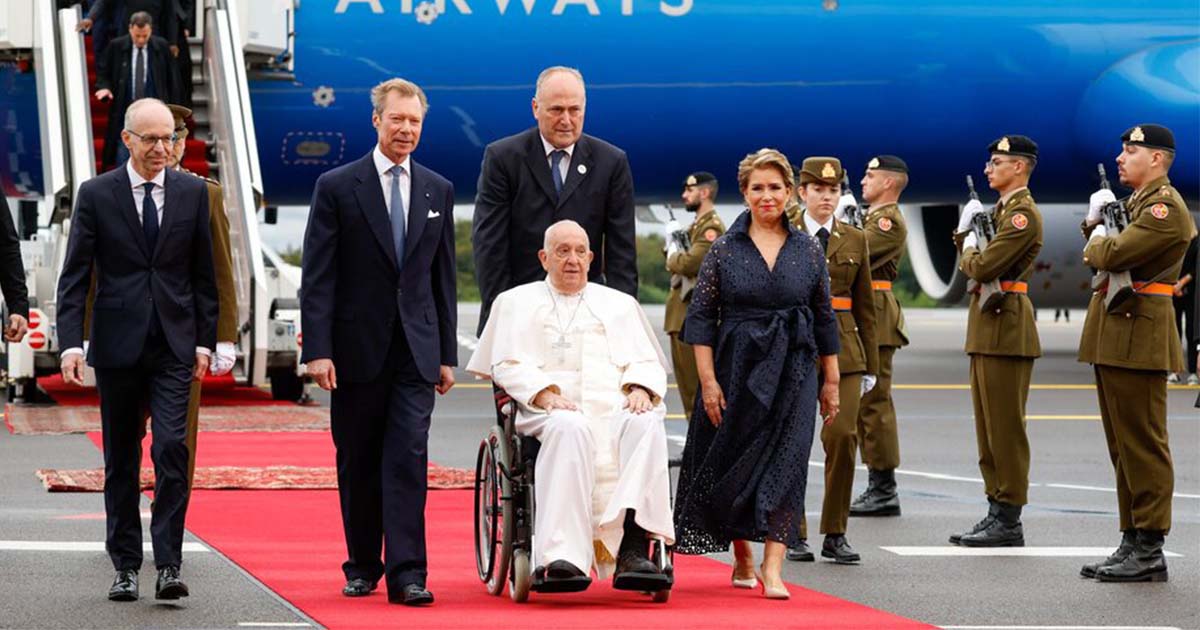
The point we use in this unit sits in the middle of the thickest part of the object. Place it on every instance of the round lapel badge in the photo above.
(582, 169)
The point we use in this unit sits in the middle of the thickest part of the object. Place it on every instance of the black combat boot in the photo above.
(880, 499)
(1145, 563)
(955, 539)
(1004, 531)
(1128, 537)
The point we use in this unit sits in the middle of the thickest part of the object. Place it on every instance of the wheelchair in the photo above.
(504, 512)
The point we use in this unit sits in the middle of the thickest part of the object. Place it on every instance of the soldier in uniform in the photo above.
(1002, 342)
(858, 362)
(885, 179)
(227, 333)
(699, 195)
(1133, 347)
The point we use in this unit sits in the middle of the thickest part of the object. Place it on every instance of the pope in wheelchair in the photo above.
(588, 378)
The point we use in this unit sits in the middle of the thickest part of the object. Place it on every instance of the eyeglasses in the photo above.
(150, 141)
(994, 164)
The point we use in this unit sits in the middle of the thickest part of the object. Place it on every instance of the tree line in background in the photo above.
(653, 280)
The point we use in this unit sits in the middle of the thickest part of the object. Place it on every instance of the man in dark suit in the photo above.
(136, 66)
(546, 174)
(117, 12)
(12, 279)
(144, 229)
(377, 300)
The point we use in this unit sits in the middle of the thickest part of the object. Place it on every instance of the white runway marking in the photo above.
(80, 545)
(1071, 486)
(467, 340)
(1031, 552)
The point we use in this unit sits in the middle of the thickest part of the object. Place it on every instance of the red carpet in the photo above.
(292, 542)
(219, 391)
(243, 478)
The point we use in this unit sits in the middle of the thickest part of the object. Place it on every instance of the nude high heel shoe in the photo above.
(750, 582)
(772, 592)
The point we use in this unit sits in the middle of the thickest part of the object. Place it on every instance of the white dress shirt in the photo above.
(564, 165)
(159, 195)
(383, 165)
(812, 226)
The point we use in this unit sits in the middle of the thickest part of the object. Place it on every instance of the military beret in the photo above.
(821, 170)
(699, 177)
(887, 163)
(1153, 136)
(180, 113)
(1014, 145)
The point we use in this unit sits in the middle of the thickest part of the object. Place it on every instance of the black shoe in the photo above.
(1126, 547)
(411, 595)
(359, 587)
(838, 549)
(124, 587)
(993, 509)
(559, 576)
(880, 499)
(169, 585)
(801, 553)
(1004, 531)
(1145, 563)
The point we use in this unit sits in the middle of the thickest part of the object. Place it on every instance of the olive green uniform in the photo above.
(1002, 344)
(886, 233)
(684, 267)
(1133, 348)
(849, 277)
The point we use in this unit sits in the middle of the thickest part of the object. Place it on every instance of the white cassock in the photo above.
(599, 461)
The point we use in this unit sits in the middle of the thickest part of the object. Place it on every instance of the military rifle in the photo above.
(984, 228)
(1117, 285)
(853, 212)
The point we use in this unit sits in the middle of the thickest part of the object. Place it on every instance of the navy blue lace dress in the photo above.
(746, 479)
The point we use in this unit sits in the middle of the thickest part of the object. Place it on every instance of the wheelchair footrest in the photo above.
(560, 585)
(643, 582)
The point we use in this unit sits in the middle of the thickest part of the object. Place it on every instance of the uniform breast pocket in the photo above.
(842, 268)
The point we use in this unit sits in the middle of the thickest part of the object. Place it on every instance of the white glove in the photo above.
(970, 241)
(672, 247)
(669, 231)
(972, 208)
(1098, 232)
(1096, 202)
(223, 359)
(845, 201)
(868, 383)
(671, 228)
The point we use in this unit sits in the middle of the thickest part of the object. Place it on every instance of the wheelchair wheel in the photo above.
(493, 518)
(522, 577)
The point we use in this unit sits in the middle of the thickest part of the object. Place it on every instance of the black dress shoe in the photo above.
(358, 587)
(1004, 531)
(838, 549)
(1117, 557)
(801, 553)
(411, 595)
(124, 587)
(169, 585)
(1146, 563)
(635, 572)
(559, 576)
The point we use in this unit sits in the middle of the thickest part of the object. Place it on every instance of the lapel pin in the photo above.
(582, 169)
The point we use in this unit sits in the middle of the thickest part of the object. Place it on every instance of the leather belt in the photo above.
(1154, 288)
(881, 285)
(841, 303)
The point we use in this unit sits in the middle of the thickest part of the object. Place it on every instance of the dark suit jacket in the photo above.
(516, 203)
(176, 279)
(12, 270)
(351, 292)
(162, 12)
(115, 72)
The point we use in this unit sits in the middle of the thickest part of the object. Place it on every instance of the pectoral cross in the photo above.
(562, 345)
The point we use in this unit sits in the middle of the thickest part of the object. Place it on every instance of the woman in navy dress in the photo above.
(764, 334)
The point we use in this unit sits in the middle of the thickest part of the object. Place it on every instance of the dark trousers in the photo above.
(381, 431)
(161, 383)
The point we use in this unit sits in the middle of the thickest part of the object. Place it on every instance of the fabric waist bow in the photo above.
(779, 333)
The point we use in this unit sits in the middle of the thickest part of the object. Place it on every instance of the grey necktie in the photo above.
(396, 210)
(556, 157)
(139, 75)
